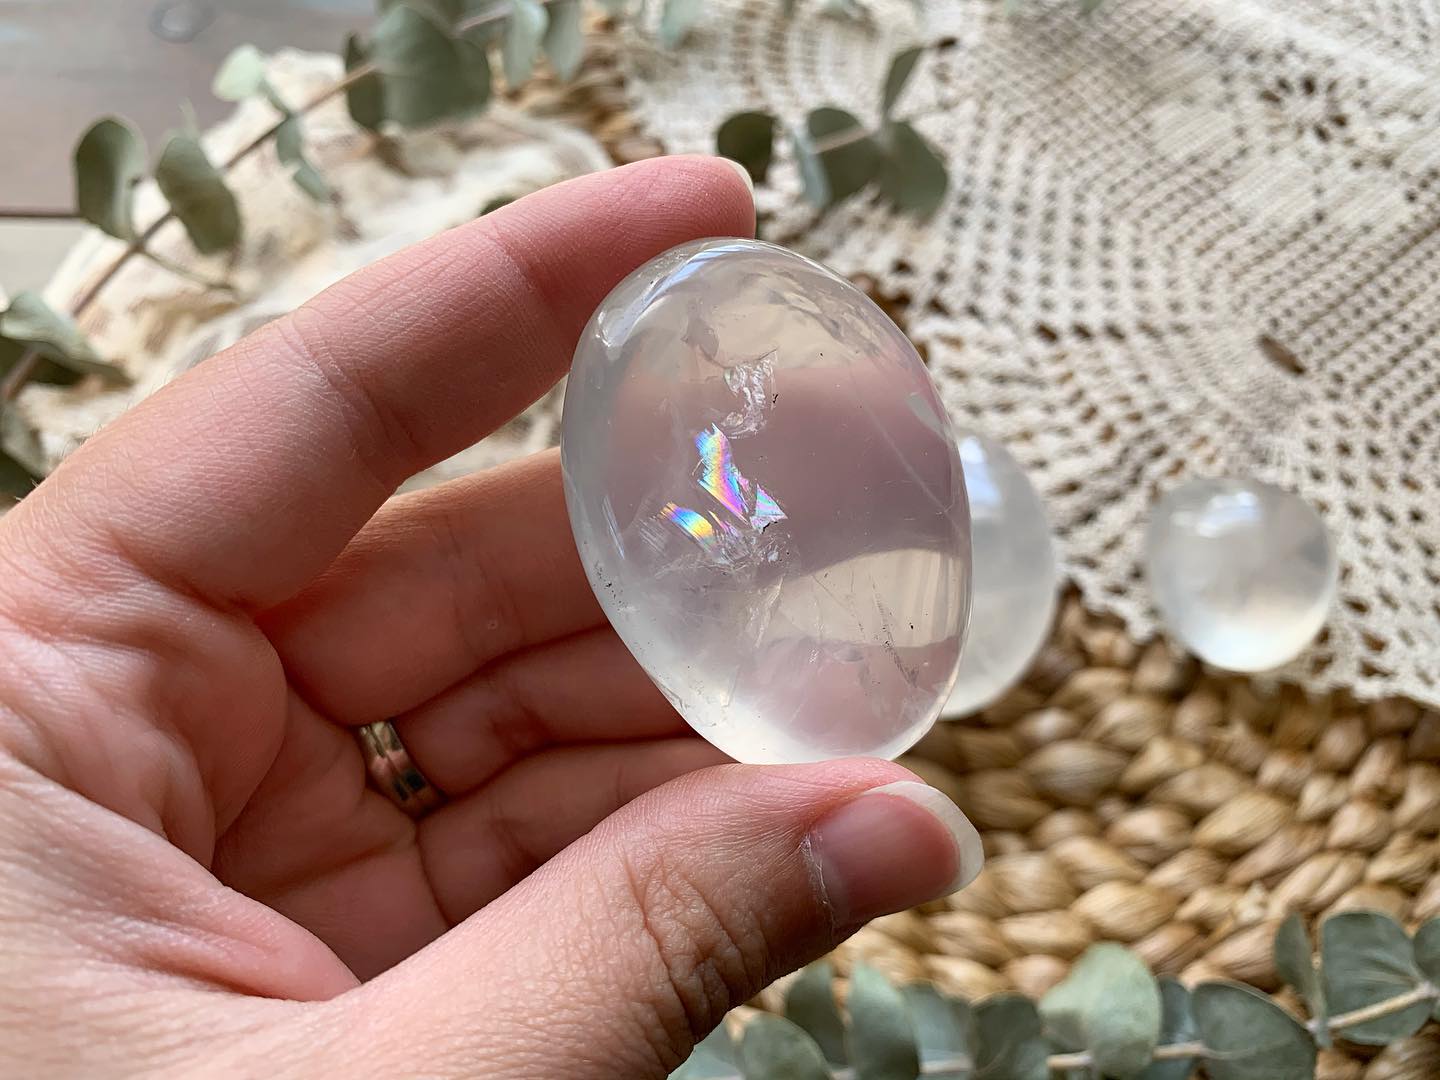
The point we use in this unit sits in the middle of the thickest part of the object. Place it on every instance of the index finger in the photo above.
(243, 479)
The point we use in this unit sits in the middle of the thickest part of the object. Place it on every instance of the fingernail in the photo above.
(891, 848)
(744, 175)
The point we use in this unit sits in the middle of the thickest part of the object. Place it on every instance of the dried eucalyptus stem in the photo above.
(1083, 1059)
(20, 374)
(1380, 1010)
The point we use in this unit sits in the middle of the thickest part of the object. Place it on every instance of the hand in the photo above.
(204, 603)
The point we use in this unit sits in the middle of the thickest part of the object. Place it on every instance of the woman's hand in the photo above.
(199, 609)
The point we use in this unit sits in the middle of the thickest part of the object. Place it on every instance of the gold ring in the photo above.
(392, 771)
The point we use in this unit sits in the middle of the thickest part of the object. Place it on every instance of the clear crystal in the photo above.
(766, 496)
(1243, 572)
(1014, 579)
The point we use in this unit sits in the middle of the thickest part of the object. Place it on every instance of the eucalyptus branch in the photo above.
(1120, 1018)
(941, 1067)
(1083, 1059)
(19, 375)
(25, 367)
(844, 138)
(1389, 1007)
(171, 266)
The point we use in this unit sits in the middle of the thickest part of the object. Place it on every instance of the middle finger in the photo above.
(584, 688)
(437, 585)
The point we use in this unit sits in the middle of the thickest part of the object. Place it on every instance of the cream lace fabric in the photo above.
(1183, 237)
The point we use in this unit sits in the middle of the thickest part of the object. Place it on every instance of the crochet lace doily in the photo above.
(1182, 238)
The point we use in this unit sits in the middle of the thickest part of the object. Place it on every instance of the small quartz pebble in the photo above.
(1243, 572)
(767, 499)
(1014, 580)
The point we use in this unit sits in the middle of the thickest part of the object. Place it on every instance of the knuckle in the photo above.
(379, 436)
(707, 956)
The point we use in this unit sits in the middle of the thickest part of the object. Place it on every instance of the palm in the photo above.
(521, 705)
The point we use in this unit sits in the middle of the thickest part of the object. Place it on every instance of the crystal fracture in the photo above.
(769, 504)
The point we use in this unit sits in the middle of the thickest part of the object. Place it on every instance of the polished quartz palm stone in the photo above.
(1243, 572)
(1015, 578)
(767, 499)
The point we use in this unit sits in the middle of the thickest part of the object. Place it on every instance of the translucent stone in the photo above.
(1243, 572)
(766, 495)
(1014, 576)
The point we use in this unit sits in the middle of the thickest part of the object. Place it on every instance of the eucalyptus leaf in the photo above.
(1295, 962)
(31, 323)
(677, 19)
(902, 66)
(365, 97)
(1109, 1005)
(944, 1029)
(1367, 958)
(913, 178)
(197, 194)
(775, 1049)
(290, 148)
(712, 1058)
(848, 153)
(564, 38)
(749, 138)
(474, 59)
(1177, 1027)
(241, 74)
(45, 370)
(810, 1004)
(426, 74)
(812, 172)
(109, 162)
(485, 33)
(496, 203)
(1427, 954)
(15, 480)
(1008, 1041)
(524, 31)
(882, 1036)
(1248, 1037)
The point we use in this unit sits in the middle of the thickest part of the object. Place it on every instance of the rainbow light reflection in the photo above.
(696, 525)
(718, 474)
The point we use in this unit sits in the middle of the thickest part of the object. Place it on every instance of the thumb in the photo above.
(612, 959)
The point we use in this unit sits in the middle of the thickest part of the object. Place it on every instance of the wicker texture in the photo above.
(1125, 794)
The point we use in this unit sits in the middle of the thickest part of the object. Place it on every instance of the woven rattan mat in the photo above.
(1126, 795)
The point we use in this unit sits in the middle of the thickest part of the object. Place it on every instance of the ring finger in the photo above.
(477, 847)
(582, 688)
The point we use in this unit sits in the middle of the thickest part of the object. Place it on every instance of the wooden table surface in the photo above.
(64, 63)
